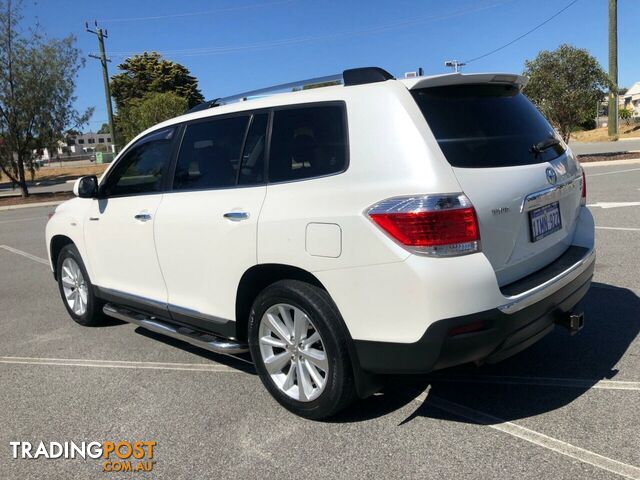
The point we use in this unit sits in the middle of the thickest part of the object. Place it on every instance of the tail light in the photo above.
(434, 225)
(583, 195)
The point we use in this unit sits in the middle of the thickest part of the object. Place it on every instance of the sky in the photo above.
(234, 46)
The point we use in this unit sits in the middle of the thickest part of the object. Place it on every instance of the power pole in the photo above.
(613, 67)
(102, 34)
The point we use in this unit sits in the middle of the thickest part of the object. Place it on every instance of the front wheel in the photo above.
(76, 289)
(300, 353)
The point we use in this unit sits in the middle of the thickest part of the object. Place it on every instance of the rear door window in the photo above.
(307, 142)
(481, 126)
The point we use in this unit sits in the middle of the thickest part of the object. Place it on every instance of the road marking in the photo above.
(540, 381)
(25, 254)
(23, 219)
(531, 436)
(619, 228)
(614, 204)
(75, 362)
(611, 173)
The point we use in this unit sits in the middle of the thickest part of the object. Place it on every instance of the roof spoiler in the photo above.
(353, 76)
(466, 78)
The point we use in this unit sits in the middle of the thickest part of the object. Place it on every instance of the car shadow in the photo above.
(240, 362)
(612, 322)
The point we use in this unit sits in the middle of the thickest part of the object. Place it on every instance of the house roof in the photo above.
(634, 90)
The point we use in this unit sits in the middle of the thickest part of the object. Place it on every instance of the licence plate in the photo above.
(545, 221)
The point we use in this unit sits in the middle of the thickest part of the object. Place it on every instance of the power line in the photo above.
(372, 30)
(193, 14)
(523, 35)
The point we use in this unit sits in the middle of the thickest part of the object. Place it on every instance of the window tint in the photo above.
(307, 142)
(486, 125)
(210, 154)
(252, 168)
(143, 166)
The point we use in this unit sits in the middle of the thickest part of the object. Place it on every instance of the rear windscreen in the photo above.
(481, 126)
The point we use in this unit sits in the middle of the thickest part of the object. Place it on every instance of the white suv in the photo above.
(354, 226)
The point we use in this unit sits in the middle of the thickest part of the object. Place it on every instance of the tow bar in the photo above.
(572, 321)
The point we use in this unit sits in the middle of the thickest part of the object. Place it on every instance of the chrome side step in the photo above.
(199, 339)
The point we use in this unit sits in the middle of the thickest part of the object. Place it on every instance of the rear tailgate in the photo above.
(506, 217)
(523, 181)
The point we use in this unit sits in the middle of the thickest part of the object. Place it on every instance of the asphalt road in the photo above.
(45, 187)
(586, 148)
(565, 408)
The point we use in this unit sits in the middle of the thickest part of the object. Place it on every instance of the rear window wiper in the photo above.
(544, 144)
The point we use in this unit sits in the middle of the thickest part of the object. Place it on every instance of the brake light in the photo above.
(435, 225)
(583, 195)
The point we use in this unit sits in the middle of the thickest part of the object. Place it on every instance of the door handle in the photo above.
(143, 217)
(236, 216)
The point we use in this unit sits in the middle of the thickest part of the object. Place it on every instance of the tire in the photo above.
(88, 310)
(301, 386)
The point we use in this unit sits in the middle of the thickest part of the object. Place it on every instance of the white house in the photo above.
(77, 145)
(631, 99)
(87, 142)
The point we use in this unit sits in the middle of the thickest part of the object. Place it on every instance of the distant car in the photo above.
(338, 233)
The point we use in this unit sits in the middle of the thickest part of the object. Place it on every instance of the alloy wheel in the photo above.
(74, 286)
(293, 352)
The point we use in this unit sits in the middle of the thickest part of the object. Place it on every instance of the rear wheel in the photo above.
(301, 355)
(76, 289)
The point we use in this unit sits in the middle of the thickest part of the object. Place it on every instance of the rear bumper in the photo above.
(530, 314)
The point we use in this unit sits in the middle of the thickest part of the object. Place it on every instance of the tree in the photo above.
(153, 108)
(150, 73)
(565, 84)
(626, 115)
(37, 81)
(104, 128)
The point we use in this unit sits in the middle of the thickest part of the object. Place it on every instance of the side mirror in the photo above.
(86, 187)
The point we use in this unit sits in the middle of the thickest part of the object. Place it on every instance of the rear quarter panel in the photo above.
(390, 154)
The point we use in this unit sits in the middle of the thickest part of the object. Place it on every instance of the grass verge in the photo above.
(602, 134)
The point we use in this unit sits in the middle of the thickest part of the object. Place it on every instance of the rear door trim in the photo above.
(548, 195)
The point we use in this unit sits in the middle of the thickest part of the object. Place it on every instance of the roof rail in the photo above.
(354, 76)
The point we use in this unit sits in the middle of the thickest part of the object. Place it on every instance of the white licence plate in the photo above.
(545, 221)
